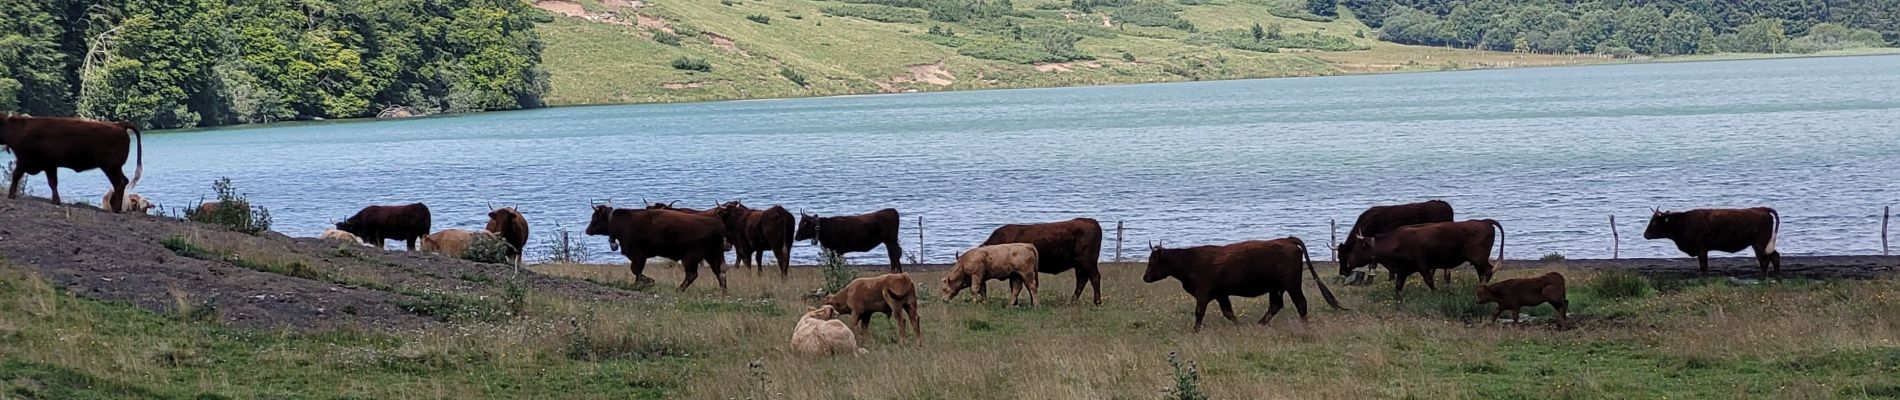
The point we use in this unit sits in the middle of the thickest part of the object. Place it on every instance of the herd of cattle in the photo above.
(1418, 238)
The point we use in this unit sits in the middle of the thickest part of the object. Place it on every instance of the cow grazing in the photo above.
(451, 242)
(1425, 247)
(512, 227)
(1245, 269)
(1381, 219)
(376, 224)
(134, 203)
(855, 233)
(1697, 232)
(48, 144)
(758, 231)
(334, 234)
(820, 333)
(1075, 244)
(1515, 294)
(891, 294)
(642, 234)
(1014, 262)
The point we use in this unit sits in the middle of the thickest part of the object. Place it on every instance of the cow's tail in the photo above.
(1494, 223)
(1323, 291)
(138, 170)
(1775, 234)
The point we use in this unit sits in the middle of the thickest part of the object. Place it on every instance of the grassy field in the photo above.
(1633, 338)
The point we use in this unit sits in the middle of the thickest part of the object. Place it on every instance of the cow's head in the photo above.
(597, 226)
(954, 282)
(836, 303)
(1663, 224)
(807, 227)
(503, 218)
(1161, 263)
(1355, 253)
(732, 213)
(1344, 251)
(351, 225)
(821, 313)
(1484, 294)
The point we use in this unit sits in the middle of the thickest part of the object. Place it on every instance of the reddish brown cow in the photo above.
(758, 231)
(375, 224)
(1381, 219)
(1245, 269)
(1697, 232)
(1074, 244)
(48, 144)
(855, 233)
(1515, 294)
(891, 294)
(1425, 247)
(512, 227)
(642, 234)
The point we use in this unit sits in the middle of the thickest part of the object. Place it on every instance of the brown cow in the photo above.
(375, 224)
(1245, 269)
(1013, 262)
(1381, 219)
(48, 144)
(1697, 232)
(855, 233)
(758, 231)
(1074, 244)
(1425, 247)
(891, 294)
(1515, 294)
(642, 234)
(512, 227)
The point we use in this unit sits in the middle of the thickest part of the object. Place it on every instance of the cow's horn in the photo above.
(491, 206)
(670, 205)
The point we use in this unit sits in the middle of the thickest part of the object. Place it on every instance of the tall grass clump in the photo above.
(759, 18)
(794, 76)
(564, 248)
(692, 64)
(663, 37)
(1619, 285)
(489, 249)
(837, 271)
(1187, 379)
(233, 210)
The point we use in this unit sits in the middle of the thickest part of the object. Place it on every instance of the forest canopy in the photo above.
(185, 63)
(1635, 27)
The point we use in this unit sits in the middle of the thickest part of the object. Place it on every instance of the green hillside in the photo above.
(618, 51)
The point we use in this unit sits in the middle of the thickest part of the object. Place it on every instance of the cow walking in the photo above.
(1697, 232)
(752, 232)
(1075, 244)
(1245, 269)
(684, 237)
(1381, 219)
(1425, 247)
(48, 144)
(856, 233)
(375, 224)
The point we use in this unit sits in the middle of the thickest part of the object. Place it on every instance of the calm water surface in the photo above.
(1550, 152)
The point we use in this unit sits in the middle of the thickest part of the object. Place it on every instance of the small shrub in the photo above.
(1187, 380)
(1127, 56)
(692, 64)
(666, 38)
(877, 12)
(453, 308)
(1619, 285)
(759, 18)
(488, 249)
(564, 248)
(1554, 256)
(794, 76)
(729, 3)
(233, 211)
(837, 271)
(795, 16)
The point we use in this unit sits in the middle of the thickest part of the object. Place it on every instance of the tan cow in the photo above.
(134, 203)
(820, 333)
(891, 294)
(1014, 262)
(334, 234)
(450, 242)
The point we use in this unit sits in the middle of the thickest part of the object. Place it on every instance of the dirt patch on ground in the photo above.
(678, 85)
(1067, 66)
(652, 22)
(572, 9)
(623, 3)
(724, 43)
(932, 73)
(124, 258)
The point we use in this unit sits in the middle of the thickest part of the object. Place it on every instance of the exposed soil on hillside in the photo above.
(124, 258)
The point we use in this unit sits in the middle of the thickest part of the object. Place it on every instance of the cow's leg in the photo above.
(1761, 259)
(1299, 301)
(897, 254)
(690, 265)
(1275, 302)
(917, 327)
(1497, 314)
(1398, 285)
(896, 314)
(1563, 310)
(981, 291)
(1227, 309)
(117, 178)
(1030, 281)
(1080, 282)
(1516, 313)
(719, 271)
(1200, 311)
(638, 265)
(411, 243)
(864, 323)
(1429, 282)
(1095, 281)
(1015, 291)
(13, 186)
(1702, 263)
(52, 182)
(1484, 267)
(784, 254)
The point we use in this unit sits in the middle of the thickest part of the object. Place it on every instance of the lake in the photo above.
(1549, 152)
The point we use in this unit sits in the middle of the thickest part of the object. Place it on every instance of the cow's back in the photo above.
(1248, 268)
(1060, 246)
(667, 233)
(1381, 219)
(39, 144)
(1731, 230)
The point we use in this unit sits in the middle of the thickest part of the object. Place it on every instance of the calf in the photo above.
(820, 333)
(48, 144)
(1014, 262)
(1515, 294)
(451, 242)
(1061, 246)
(1697, 232)
(891, 294)
(855, 233)
(1419, 249)
(333, 234)
(376, 224)
(512, 227)
(642, 234)
(134, 203)
(1245, 269)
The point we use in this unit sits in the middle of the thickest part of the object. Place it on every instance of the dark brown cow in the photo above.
(512, 227)
(758, 231)
(377, 223)
(1425, 247)
(48, 144)
(1515, 294)
(642, 234)
(1381, 219)
(855, 233)
(1074, 244)
(1697, 232)
(1245, 269)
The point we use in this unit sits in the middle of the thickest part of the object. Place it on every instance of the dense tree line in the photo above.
(1632, 26)
(183, 63)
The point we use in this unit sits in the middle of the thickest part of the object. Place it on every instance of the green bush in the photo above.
(794, 76)
(836, 270)
(1617, 284)
(877, 12)
(1152, 14)
(1187, 380)
(666, 38)
(1552, 257)
(490, 249)
(564, 248)
(233, 211)
(759, 18)
(692, 64)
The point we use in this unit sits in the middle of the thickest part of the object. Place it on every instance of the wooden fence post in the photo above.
(1118, 241)
(920, 240)
(1333, 226)
(1616, 240)
(1885, 212)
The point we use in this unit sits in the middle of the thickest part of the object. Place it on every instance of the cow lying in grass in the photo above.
(820, 333)
(451, 242)
(334, 234)
(1515, 294)
(891, 294)
(1014, 262)
(134, 203)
